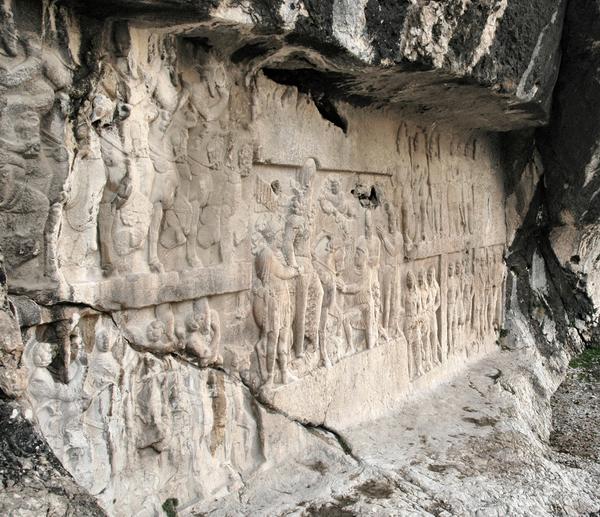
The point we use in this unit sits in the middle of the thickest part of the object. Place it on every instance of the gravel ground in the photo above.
(576, 411)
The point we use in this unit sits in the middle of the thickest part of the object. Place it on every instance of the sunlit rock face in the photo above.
(232, 230)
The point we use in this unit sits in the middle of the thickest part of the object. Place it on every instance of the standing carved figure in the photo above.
(326, 261)
(361, 313)
(393, 247)
(297, 249)
(102, 390)
(479, 296)
(337, 208)
(272, 307)
(467, 203)
(491, 290)
(420, 185)
(459, 306)
(437, 184)
(412, 328)
(451, 315)
(425, 321)
(179, 227)
(374, 262)
(433, 305)
(50, 395)
(454, 201)
(468, 295)
(497, 288)
(164, 187)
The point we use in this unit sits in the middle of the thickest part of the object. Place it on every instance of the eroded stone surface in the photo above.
(235, 234)
(474, 446)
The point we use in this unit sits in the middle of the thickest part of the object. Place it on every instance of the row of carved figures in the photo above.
(101, 418)
(301, 275)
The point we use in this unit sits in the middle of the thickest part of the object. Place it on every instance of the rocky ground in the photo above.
(477, 446)
(576, 412)
(32, 481)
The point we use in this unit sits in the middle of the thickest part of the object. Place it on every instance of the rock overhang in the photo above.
(487, 65)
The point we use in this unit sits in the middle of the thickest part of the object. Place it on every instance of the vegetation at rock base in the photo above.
(589, 363)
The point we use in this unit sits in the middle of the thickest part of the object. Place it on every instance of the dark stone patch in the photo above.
(484, 421)
(322, 87)
(267, 12)
(327, 510)
(318, 466)
(26, 461)
(385, 22)
(367, 196)
(467, 34)
(514, 43)
(252, 50)
(316, 28)
(147, 9)
(517, 148)
(376, 489)
(568, 144)
(437, 468)
(345, 500)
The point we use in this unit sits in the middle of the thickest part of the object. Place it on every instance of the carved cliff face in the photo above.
(217, 241)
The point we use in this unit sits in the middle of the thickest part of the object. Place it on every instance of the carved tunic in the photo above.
(273, 275)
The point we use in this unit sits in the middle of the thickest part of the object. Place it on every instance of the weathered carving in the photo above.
(272, 307)
(360, 312)
(226, 228)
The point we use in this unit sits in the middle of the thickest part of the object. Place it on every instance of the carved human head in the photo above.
(431, 274)
(276, 187)
(421, 277)
(202, 314)
(102, 341)
(27, 132)
(155, 331)
(334, 186)
(75, 338)
(298, 204)
(191, 323)
(164, 119)
(410, 280)
(9, 40)
(42, 356)
(450, 270)
(458, 268)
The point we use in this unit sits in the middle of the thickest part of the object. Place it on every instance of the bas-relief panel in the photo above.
(135, 428)
(400, 248)
(224, 227)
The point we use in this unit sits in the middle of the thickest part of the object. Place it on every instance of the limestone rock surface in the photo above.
(267, 258)
(420, 57)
